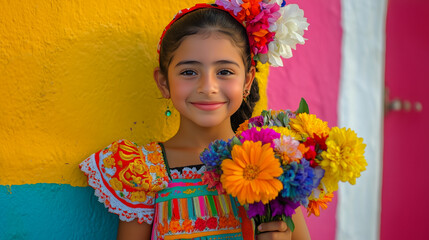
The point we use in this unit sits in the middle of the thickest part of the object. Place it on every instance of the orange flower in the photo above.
(251, 173)
(222, 222)
(152, 147)
(155, 157)
(232, 221)
(187, 225)
(243, 127)
(163, 228)
(313, 205)
(175, 226)
(251, 8)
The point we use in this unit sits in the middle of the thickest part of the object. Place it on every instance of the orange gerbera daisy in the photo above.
(251, 173)
(313, 205)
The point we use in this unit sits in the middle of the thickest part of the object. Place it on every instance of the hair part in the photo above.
(208, 21)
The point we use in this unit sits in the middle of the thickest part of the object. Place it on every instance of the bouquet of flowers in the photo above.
(283, 159)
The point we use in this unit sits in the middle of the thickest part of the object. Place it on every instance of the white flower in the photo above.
(279, 2)
(290, 31)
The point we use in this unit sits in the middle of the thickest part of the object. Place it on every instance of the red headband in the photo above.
(182, 12)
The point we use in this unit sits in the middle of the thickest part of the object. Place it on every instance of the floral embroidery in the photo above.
(139, 196)
(175, 226)
(188, 173)
(122, 176)
(212, 223)
(200, 224)
(116, 184)
(187, 225)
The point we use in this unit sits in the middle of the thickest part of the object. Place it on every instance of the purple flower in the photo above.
(234, 5)
(265, 135)
(281, 205)
(255, 209)
(257, 121)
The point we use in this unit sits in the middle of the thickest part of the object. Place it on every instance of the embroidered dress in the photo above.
(136, 183)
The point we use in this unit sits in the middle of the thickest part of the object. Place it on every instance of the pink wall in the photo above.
(313, 73)
(404, 211)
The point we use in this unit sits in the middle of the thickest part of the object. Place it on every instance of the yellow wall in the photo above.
(75, 76)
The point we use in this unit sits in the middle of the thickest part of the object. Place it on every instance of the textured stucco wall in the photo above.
(77, 75)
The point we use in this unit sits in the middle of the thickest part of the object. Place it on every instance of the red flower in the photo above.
(212, 223)
(251, 8)
(200, 224)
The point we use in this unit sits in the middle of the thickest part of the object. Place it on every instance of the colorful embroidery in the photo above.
(126, 178)
(194, 211)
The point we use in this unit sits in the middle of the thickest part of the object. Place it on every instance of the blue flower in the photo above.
(216, 152)
(299, 180)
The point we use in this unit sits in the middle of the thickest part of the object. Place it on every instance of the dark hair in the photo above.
(208, 20)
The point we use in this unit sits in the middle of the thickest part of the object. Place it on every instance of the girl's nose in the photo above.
(208, 84)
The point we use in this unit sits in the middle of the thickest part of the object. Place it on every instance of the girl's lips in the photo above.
(208, 106)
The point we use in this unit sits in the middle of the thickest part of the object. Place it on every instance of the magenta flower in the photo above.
(268, 15)
(265, 135)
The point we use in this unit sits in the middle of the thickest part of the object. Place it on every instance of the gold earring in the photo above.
(245, 94)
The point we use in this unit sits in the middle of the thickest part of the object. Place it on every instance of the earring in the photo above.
(168, 112)
(245, 94)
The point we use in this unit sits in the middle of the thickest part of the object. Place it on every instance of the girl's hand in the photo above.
(274, 230)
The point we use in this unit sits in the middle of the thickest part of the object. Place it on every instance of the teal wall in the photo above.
(54, 211)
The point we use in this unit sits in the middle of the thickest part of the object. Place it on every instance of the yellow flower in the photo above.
(344, 159)
(138, 167)
(109, 162)
(139, 196)
(251, 173)
(313, 205)
(284, 131)
(308, 124)
(116, 184)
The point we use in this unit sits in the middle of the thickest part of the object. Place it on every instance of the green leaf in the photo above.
(235, 141)
(289, 222)
(303, 107)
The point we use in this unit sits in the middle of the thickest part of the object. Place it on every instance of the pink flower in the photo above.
(265, 135)
(212, 179)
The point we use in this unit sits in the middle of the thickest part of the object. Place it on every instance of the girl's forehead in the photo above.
(207, 48)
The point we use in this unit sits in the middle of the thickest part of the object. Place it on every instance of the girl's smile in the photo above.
(208, 106)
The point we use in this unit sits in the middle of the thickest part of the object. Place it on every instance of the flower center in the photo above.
(250, 172)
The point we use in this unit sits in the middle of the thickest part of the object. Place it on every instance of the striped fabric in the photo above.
(186, 209)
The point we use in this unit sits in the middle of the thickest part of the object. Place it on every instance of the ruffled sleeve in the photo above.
(127, 177)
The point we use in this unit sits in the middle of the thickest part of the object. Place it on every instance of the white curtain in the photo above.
(361, 108)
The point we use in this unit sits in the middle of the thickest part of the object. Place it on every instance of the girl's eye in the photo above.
(225, 72)
(188, 73)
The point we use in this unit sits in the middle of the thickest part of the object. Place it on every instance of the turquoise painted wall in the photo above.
(54, 211)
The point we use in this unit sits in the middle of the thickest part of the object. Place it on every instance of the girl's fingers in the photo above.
(287, 235)
(279, 226)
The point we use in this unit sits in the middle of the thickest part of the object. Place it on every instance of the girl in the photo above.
(206, 68)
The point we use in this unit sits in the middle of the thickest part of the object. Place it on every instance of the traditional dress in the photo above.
(136, 183)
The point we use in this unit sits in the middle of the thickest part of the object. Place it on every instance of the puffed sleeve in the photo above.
(126, 178)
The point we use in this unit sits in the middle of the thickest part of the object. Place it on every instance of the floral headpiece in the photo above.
(273, 27)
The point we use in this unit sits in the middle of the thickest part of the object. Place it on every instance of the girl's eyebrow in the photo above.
(193, 62)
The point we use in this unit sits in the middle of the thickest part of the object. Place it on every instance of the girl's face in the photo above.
(207, 78)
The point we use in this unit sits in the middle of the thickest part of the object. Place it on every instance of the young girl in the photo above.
(206, 68)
